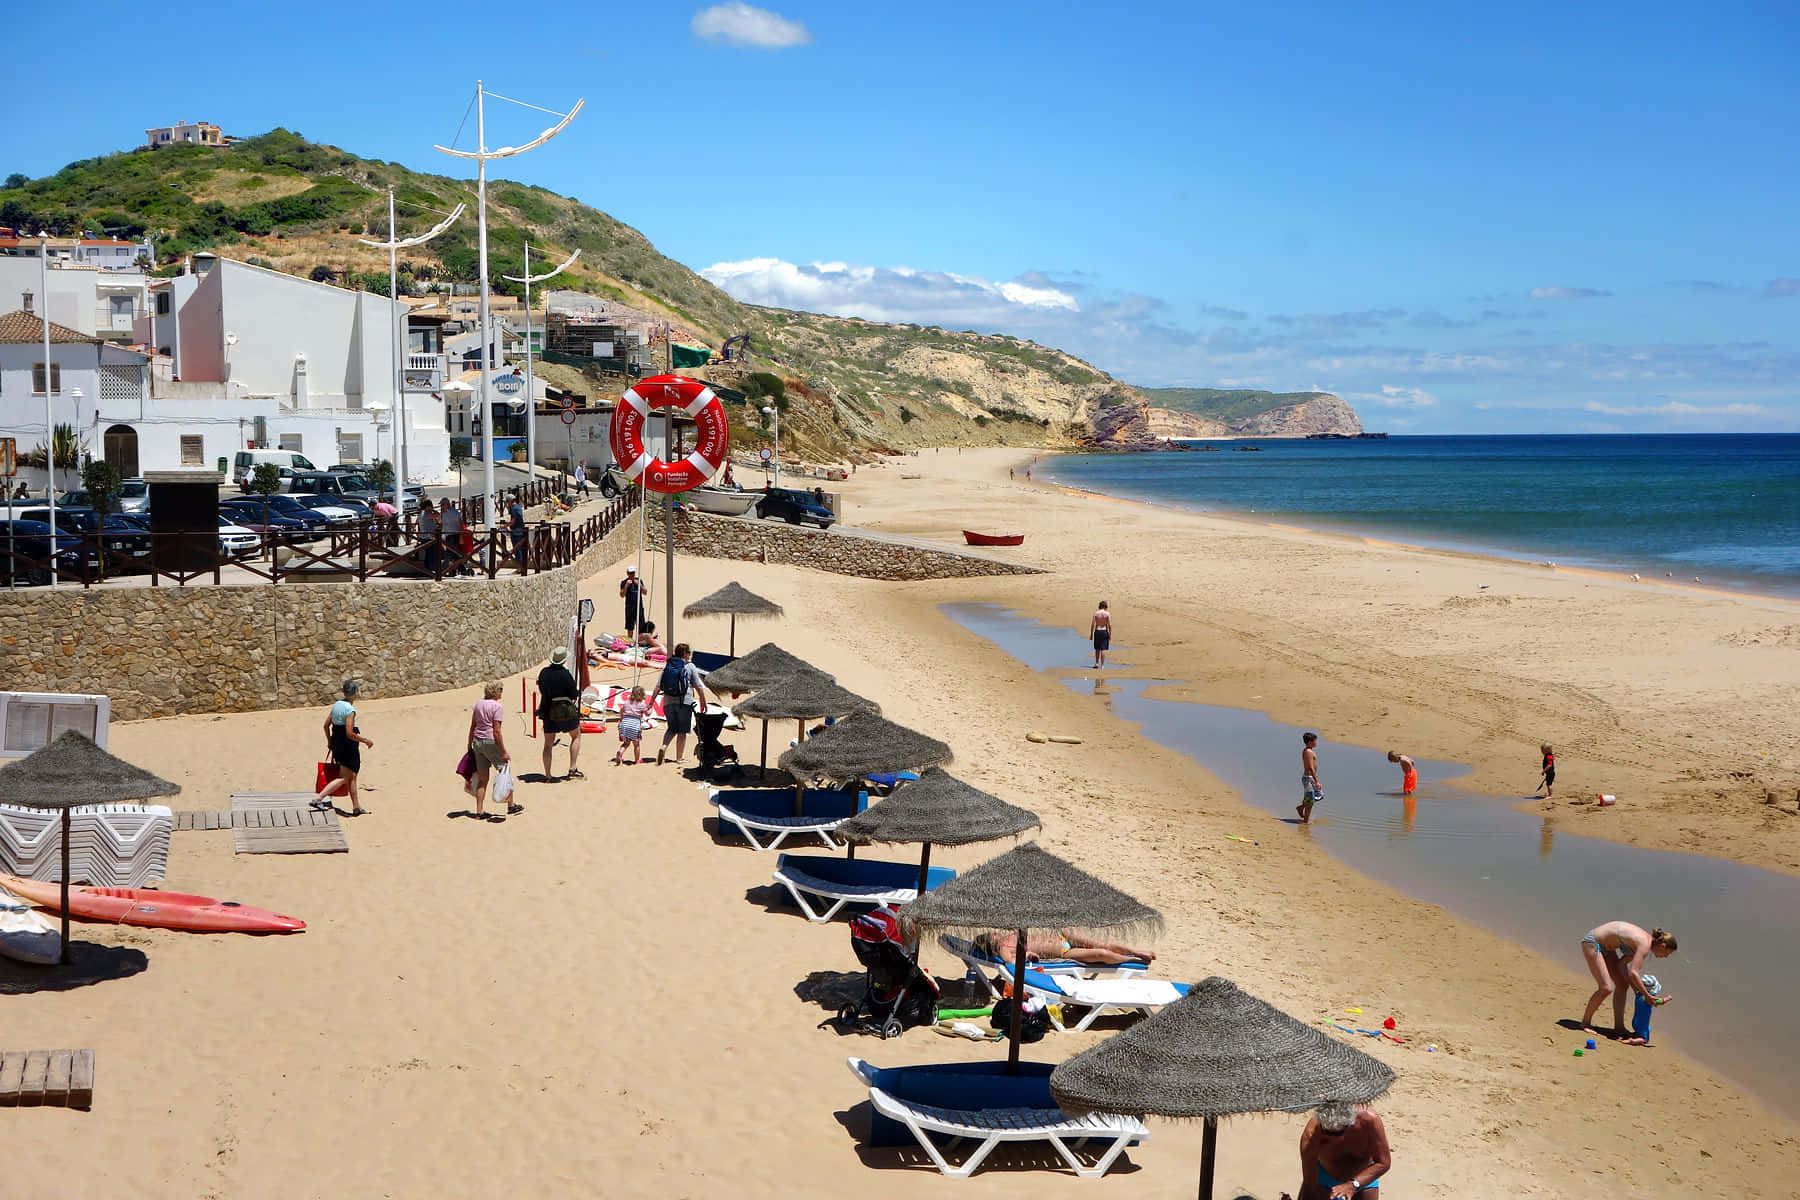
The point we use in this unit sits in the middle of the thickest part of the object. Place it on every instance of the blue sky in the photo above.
(1517, 218)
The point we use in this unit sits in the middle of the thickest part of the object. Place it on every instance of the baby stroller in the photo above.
(712, 754)
(900, 994)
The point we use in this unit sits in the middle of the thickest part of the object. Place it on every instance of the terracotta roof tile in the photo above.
(21, 326)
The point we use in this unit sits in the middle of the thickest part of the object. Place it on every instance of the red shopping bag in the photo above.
(326, 773)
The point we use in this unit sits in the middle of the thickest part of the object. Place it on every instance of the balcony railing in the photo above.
(423, 373)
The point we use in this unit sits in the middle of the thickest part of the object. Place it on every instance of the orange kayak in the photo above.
(148, 907)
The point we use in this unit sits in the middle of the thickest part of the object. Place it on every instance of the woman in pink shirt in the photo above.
(487, 746)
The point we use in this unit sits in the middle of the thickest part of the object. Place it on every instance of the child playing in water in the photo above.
(1409, 773)
(1640, 1013)
(1310, 791)
(631, 727)
(1547, 784)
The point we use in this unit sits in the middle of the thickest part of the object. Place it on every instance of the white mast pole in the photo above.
(395, 347)
(49, 408)
(530, 390)
(486, 408)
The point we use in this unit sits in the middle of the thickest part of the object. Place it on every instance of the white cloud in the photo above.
(739, 24)
(1405, 397)
(1566, 293)
(899, 294)
(1676, 408)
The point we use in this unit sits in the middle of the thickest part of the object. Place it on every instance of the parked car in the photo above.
(237, 540)
(31, 539)
(794, 506)
(336, 515)
(126, 542)
(414, 490)
(285, 515)
(134, 496)
(245, 462)
(614, 482)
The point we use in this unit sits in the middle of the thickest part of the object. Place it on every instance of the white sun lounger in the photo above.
(990, 1127)
(1069, 983)
(979, 962)
(842, 881)
(753, 811)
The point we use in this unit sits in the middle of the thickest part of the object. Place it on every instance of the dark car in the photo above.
(285, 515)
(31, 540)
(794, 506)
(414, 490)
(127, 544)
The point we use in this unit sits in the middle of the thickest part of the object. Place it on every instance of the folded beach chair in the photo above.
(110, 845)
(979, 962)
(841, 881)
(979, 1104)
(770, 812)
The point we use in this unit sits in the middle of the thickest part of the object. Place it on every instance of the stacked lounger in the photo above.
(110, 845)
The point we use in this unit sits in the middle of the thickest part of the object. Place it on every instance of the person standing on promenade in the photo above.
(581, 478)
(1100, 630)
(636, 596)
(1310, 791)
(559, 708)
(344, 741)
(487, 746)
(1409, 772)
(1615, 954)
(456, 535)
(1343, 1154)
(515, 520)
(1547, 784)
(428, 536)
(683, 691)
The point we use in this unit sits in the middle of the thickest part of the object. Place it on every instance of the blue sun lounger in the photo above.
(1076, 984)
(770, 812)
(842, 881)
(980, 1103)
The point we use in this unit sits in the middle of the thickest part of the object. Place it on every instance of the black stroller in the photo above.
(900, 994)
(712, 754)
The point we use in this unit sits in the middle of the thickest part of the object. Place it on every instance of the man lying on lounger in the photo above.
(1064, 944)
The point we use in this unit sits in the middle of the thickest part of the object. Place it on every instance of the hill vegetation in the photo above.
(1228, 406)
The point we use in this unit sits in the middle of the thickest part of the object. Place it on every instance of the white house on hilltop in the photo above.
(198, 133)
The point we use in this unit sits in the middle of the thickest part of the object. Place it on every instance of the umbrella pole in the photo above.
(733, 650)
(63, 959)
(764, 764)
(924, 867)
(1209, 1146)
(1018, 1006)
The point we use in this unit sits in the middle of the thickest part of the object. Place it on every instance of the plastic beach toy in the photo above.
(1591, 1045)
(1578, 1053)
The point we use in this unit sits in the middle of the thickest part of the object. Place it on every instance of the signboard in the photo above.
(419, 381)
(603, 350)
(586, 612)
(766, 454)
(568, 416)
(9, 457)
(509, 385)
(29, 721)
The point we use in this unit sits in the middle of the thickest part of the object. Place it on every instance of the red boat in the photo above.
(993, 539)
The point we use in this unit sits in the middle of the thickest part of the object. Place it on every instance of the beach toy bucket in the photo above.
(1606, 799)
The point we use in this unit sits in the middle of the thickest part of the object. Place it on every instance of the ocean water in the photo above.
(1724, 507)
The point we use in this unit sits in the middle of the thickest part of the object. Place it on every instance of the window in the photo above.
(162, 304)
(290, 441)
(349, 447)
(37, 378)
(193, 450)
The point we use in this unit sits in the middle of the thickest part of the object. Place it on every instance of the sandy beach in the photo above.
(595, 997)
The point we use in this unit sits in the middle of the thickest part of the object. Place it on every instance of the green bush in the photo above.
(102, 482)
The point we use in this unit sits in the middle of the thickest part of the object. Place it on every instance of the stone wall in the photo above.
(709, 536)
(165, 650)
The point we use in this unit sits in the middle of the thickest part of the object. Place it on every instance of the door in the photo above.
(121, 448)
(121, 313)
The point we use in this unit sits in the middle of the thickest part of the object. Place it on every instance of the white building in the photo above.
(198, 133)
(91, 383)
(106, 254)
(99, 303)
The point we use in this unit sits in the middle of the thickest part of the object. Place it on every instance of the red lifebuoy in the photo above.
(669, 391)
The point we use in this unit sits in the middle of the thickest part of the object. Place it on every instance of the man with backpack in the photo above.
(683, 693)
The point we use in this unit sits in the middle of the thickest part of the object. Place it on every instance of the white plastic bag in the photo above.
(503, 785)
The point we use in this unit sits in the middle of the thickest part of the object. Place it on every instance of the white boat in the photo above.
(26, 934)
(730, 502)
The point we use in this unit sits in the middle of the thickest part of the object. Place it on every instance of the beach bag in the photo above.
(674, 682)
(465, 766)
(503, 785)
(323, 776)
(562, 708)
(1034, 1023)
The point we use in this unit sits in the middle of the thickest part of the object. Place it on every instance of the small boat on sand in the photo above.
(729, 502)
(153, 909)
(25, 934)
(993, 539)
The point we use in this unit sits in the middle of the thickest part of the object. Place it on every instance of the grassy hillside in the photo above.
(283, 202)
(1229, 406)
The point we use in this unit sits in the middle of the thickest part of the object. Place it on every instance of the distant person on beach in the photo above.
(559, 708)
(344, 741)
(1027, 474)
(1547, 784)
(1615, 954)
(1640, 1012)
(1409, 773)
(1100, 630)
(487, 745)
(1343, 1153)
(632, 715)
(647, 640)
(1310, 791)
(1009, 473)
(683, 693)
(635, 595)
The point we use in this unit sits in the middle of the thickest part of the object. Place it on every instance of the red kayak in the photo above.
(993, 539)
(157, 910)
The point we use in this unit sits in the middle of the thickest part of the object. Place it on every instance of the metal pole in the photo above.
(487, 364)
(924, 868)
(63, 960)
(530, 392)
(397, 350)
(50, 461)
(669, 448)
(1209, 1146)
(1017, 1016)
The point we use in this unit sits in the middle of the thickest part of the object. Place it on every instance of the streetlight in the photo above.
(770, 412)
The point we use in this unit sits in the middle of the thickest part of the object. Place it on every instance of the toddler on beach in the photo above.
(1547, 784)
(1640, 1012)
(631, 727)
(1409, 773)
(1310, 791)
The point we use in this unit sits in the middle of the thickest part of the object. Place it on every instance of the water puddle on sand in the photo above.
(1734, 979)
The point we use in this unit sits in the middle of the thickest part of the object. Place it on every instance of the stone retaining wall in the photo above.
(167, 650)
(710, 536)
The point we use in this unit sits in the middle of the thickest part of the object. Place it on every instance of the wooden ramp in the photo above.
(38, 1078)
(283, 823)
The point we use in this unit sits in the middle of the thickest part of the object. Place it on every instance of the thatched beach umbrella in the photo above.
(71, 772)
(733, 600)
(863, 743)
(764, 666)
(938, 810)
(1027, 889)
(1217, 1052)
(806, 695)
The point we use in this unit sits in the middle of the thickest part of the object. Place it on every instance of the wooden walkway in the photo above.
(262, 818)
(273, 823)
(35, 1078)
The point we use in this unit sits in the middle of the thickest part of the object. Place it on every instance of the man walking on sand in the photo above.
(1343, 1154)
(636, 597)
(1310, 791)
(1100, 630)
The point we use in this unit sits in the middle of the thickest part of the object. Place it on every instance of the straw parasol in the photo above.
(71, 772)
(767, 664)
(1218, 1052)
(938, 810)
(863, 744)
(806, 695)
(733, 600)
(1026, 889)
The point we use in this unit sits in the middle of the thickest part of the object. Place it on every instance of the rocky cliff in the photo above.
(1324, 413)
